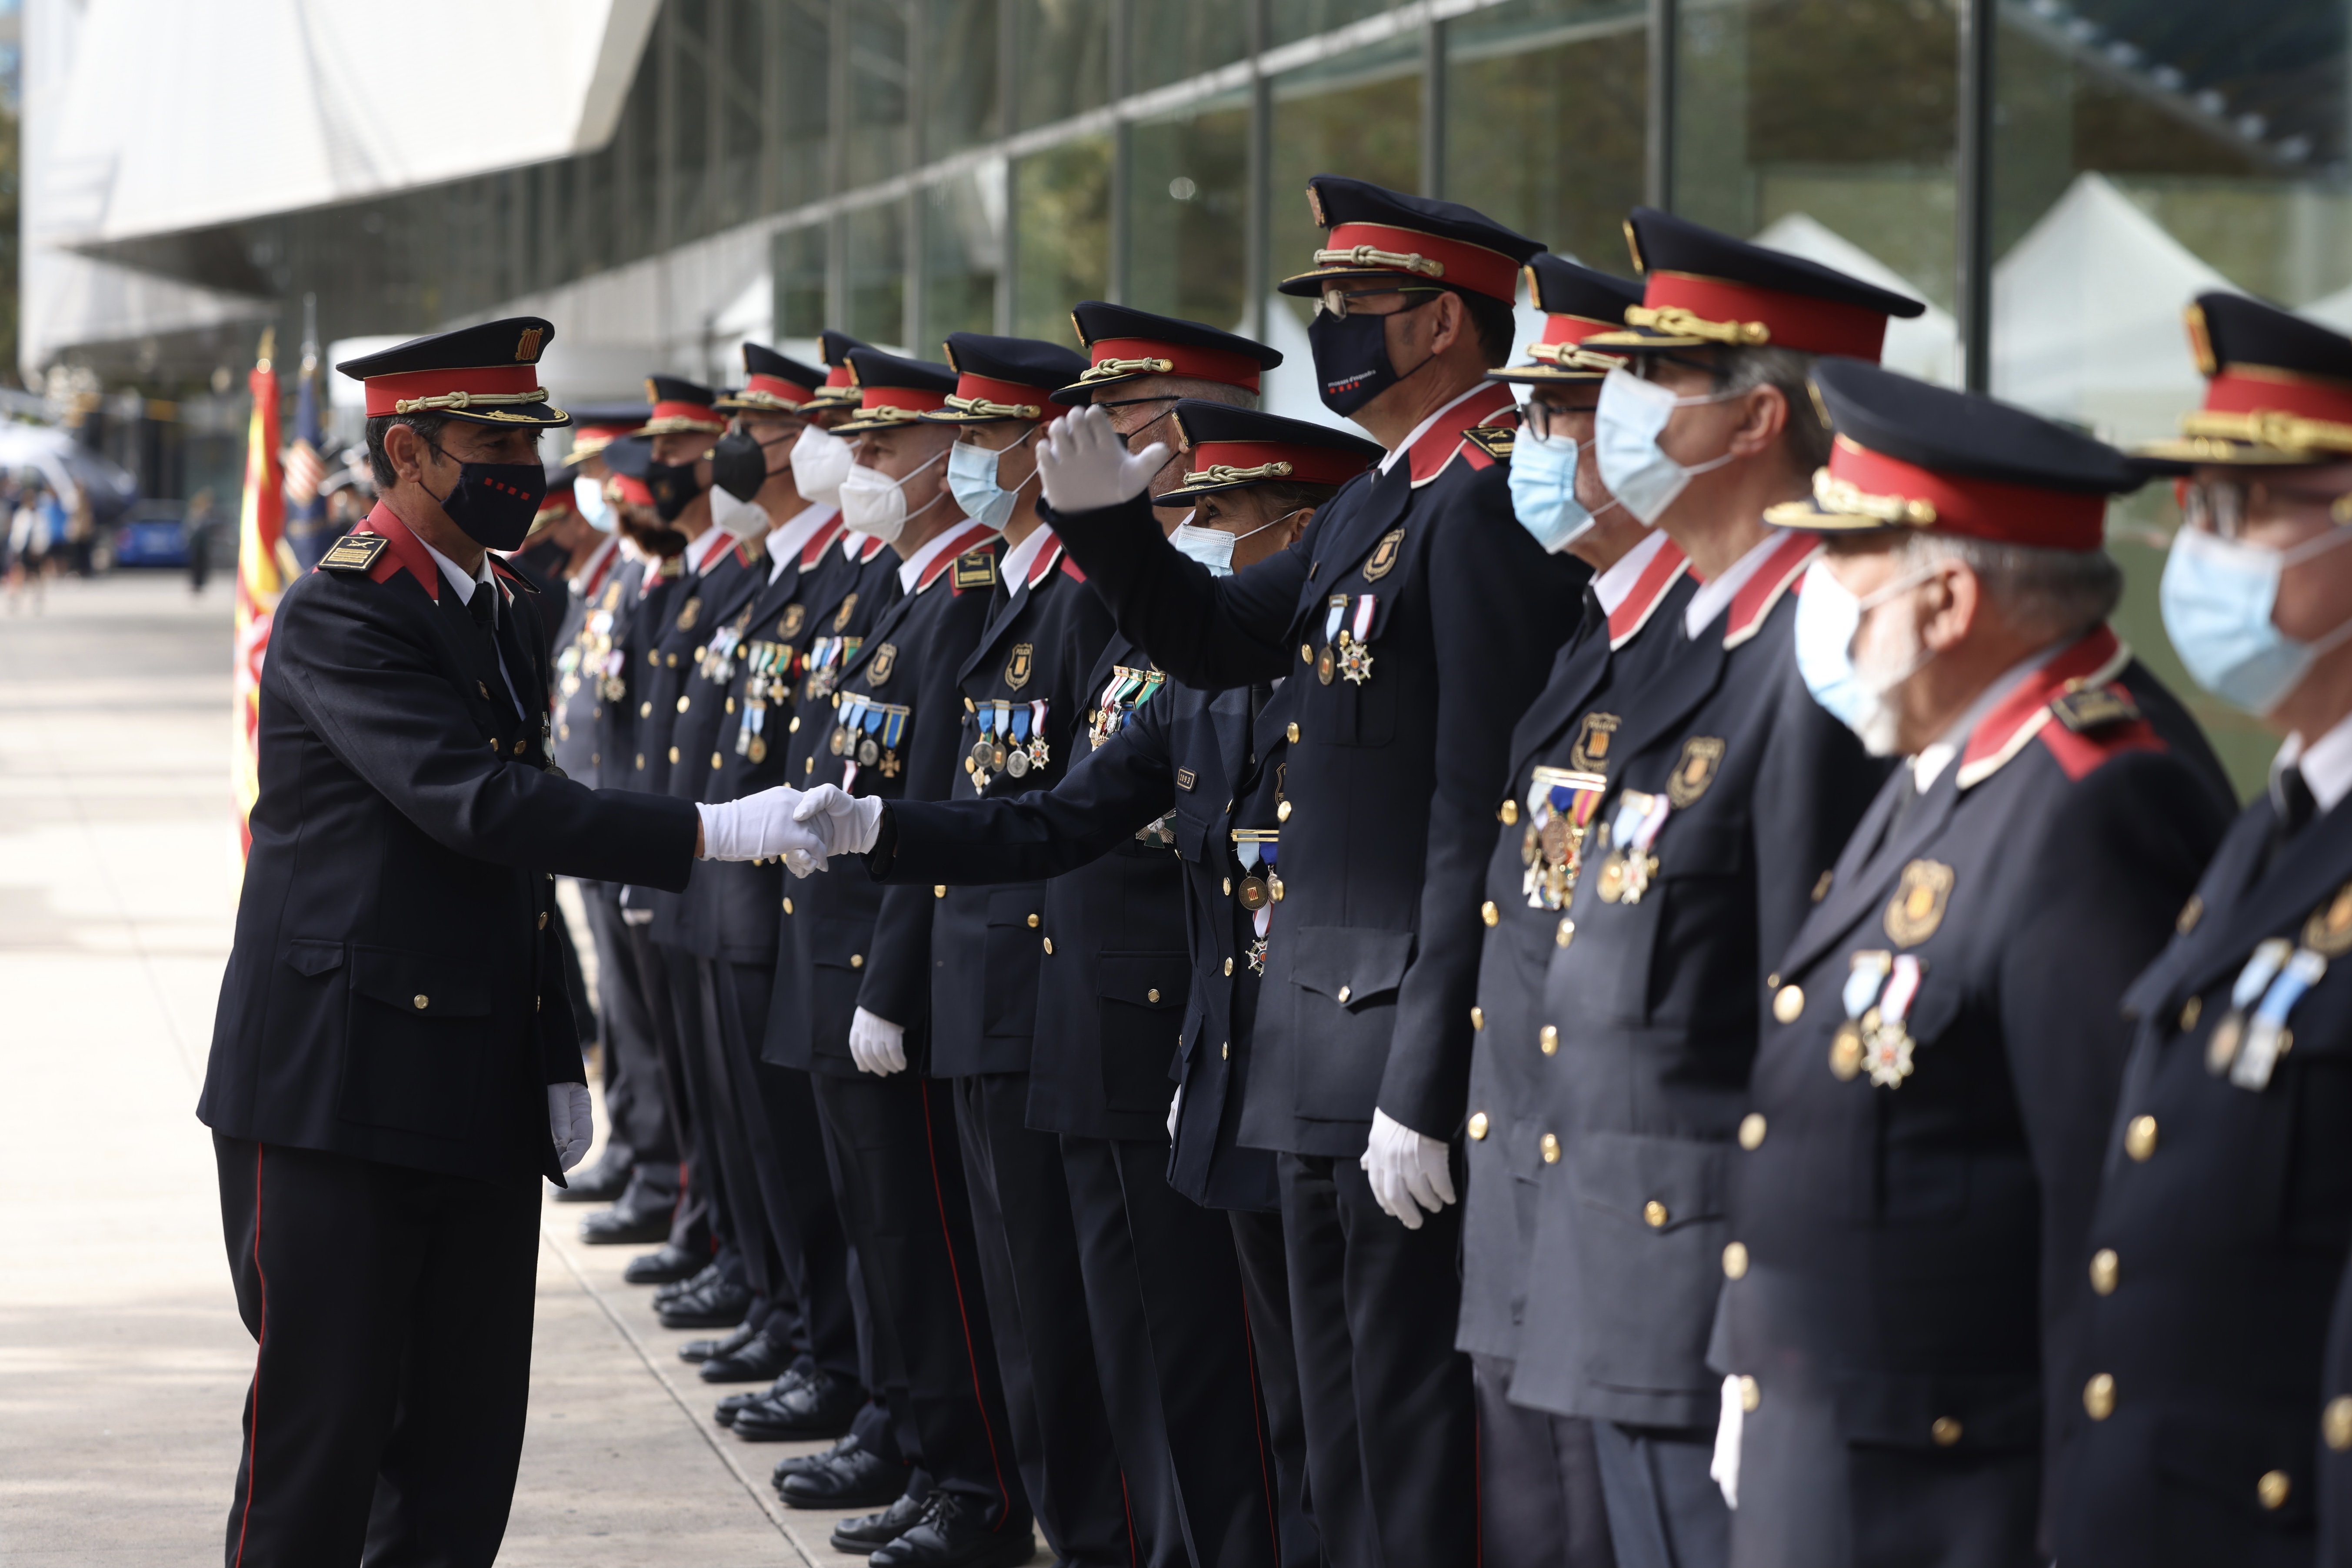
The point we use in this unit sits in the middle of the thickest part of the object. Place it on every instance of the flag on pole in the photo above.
(264, 566)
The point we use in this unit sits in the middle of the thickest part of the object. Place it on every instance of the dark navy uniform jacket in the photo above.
(1621, 651)
(1657, 1002)
(732, 908)
(1179, 765)
(1451, 613)
(2226, 1203)
(394, 993)
(988, 945)
(589, 663)
(893, 731)
(1908, 1206)
(822, 928)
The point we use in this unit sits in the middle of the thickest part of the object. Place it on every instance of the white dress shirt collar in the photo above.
(455, 575)
(911, 570)
(1022, 556)
(701, 551)
(2327, 765)
(786, 542)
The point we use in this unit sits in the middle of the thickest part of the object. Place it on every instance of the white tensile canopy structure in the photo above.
(1927, 345)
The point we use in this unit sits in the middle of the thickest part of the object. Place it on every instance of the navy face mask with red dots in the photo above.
(494, 504)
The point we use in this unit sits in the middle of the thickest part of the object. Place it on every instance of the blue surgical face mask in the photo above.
(971, 478)
(1632, 414)
(2216, 596)
(589, 495)
(1828, 616)
(1543, 490)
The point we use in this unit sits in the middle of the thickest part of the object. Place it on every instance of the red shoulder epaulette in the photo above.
(1070, 570)
(1658, 574)
(2075, 704)
(1428, 457)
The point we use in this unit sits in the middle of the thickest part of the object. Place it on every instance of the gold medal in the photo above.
(1273, 887)
(1325, 665)
(758, 749)
(1255, 895)
(840, 741)
(1845, 1052)
(889, 764)
(2222, 1045)
(1612, 877)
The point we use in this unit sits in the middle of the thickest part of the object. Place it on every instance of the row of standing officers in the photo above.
(1632, 978)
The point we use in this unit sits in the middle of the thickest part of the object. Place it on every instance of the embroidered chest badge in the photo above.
(1384, 555)
(689, 613)
(841, 617)
(1917, 906)
(886, 659)
(795, 616)
(1702, 757)
(1021, 666)
(1591, 752)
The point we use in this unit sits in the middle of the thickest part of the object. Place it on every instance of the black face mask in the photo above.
(1351, 360)
(739, 465)
(494, 504)
(674, 488)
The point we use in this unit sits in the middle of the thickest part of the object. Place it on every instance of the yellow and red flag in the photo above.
(264, 566)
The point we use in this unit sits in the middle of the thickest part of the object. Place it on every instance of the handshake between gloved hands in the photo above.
(802, 828)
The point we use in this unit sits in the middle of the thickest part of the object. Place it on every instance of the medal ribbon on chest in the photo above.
(1561, 805)
(2277, 976)
(1258, 849)
(1880, 989)
(1128, 689)
(1626, 875)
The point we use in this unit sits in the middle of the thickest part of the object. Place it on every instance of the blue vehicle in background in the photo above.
(149, 533)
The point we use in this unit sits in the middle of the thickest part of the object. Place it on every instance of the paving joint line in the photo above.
(771, 1513)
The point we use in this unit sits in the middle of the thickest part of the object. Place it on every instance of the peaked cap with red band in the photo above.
(487, 374)
(1577, 302)
(1706, 289)
(1913, 456)
(1229, 448)
(680, 406)
(1382, 235)
(1125, 344)
(2278, 388)
(893, 390)
(1004, 378)
(772, 384)
(840, 388)
(597, 426)
(627, 460)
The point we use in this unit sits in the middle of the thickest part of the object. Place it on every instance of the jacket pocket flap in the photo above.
(311, 955)
(1350, 965)
(419, 983)
(1914, 1411)
(839, 943)
(1161, 980)
(1661, 1183)
(1022, 905)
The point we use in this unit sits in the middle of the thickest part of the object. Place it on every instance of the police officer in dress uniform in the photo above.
(2219, 1236)
(394, 1064)
(1418, 620)
(1921, 1152)
(1140, 364)
(1729, 793)
(1540, 1485)
(864, 965)
(1171, 768)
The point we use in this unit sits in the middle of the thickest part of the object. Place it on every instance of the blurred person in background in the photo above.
(202, 522)
(28, 547)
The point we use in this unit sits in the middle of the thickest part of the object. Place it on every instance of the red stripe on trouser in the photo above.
(955, 1278)
(1257, 1423)
(1133, 1554)
(260, 1334)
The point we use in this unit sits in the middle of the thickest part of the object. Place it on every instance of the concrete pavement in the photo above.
(122, 1364)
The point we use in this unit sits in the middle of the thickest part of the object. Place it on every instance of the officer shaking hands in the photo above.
(394, 1064)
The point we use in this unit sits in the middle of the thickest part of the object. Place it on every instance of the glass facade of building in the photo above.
(2055, 177)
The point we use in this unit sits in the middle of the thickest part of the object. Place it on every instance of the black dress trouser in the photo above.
(909, 1219)
(635, 1102)
(1540, 1503)
(775, 1111)
(392, 1313)
(1028, 1251)
(695, 1222)
(1172, 1340)
(1274, 1361)
(738, 1216)
(1391, 1429)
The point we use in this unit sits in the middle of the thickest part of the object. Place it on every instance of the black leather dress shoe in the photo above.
(695, 1352)
(819, 1405)
(663, 1268)
(734, 1404)
(951, 1534)
(765, 1357)
(868, 1532)
(622, 1225)
(852, 1476)
(721, 1305)
(600, 1182)
(701, 1279)
(798, 1464)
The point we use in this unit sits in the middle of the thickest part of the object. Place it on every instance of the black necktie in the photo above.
(2292, 799)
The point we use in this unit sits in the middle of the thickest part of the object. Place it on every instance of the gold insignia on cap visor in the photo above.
(1372, 256)
(1103, 370)
(1684, 323)
(1226, 474)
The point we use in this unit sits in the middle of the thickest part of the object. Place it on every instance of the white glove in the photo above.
(876, 1045)
(1175, 1106)
(1086, 465)
(842, 823)
(571, 1123)
(1724, 1469)
(1406, 1168)
(762, 827)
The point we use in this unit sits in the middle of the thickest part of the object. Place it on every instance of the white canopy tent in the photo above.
(1927, 345)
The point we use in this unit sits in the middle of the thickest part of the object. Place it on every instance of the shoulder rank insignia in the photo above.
(1495, 440)
(2088, 708)
(884, 660)
(2329, 931)
(1917, 906)
(975, 569)
(1591, 752)
(1384, 555)
(1702, 756)
(1021, 666)
(795, 615)
(354, 552)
